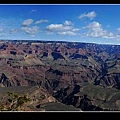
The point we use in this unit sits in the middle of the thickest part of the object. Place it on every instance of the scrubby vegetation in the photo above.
(14, 102)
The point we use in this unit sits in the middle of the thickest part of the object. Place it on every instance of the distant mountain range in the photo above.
(84, 75)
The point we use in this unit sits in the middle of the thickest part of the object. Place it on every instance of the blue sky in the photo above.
(82, 23)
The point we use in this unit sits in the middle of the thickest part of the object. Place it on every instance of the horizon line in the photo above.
(46, 40)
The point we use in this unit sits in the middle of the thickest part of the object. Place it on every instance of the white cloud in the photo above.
(57, 27)
(67, 23)
(118, 29)
(117, 36)
(109, 35)
(96, 30)
(90, 15)
(31, 30)
(41, 21)
(27, 22)
(67, 28)
(66, 33)
(75, 29)
(94, 26)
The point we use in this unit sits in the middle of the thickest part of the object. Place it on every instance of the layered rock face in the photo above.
(58, 65)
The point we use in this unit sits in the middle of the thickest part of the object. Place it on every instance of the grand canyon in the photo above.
(59, 75)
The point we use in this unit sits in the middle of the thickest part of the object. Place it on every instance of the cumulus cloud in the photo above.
(94, 26)
(67, 28)
(75, 29)
(109, 35)
(66, 33)
(90, 15)
(28, 29)
(57, 27)
(68, 22)
(54, 27)
(118, 29)
(117, 36)
(27, 22)
(96, 30)
(67, 25)
(31, 30)
(41, 21)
